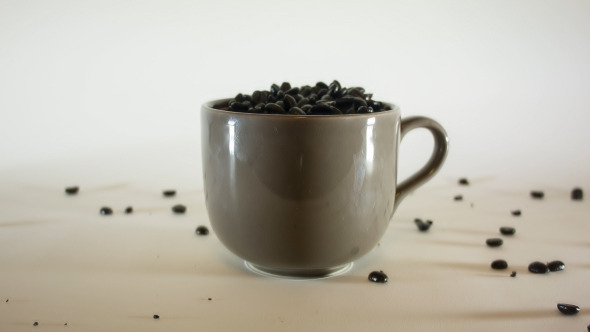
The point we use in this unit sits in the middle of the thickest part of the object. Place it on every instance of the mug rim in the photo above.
(209, 105)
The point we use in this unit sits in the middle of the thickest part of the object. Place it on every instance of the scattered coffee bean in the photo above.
(494, 242)
(556, 266)
(568, 309)
(538, 268)
(210, 299)
(105, 211)
(507, 230)
(577, 194)
(202, 230)
(423, 226)
(499, 264)
(463, 181)
(156, 316)
(516, 213)
(72, 190)
(378, 277)
(588, 327)
(129, 210)
(537, 194)
(169, 193)
(179, 208)
(513, 274)
(36, 324)
(458, 197)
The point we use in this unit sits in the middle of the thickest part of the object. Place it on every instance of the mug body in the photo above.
(299, 195)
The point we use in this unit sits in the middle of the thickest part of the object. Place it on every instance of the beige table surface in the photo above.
(62, 262)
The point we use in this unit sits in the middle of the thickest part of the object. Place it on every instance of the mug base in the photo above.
(299, 274)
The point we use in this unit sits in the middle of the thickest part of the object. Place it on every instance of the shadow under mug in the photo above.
(305, 196)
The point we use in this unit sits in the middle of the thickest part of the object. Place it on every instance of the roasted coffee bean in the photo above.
(179, 208)
(293, 91)
(538, 268)
(263, 96)
(423, 226)
(296, 111)
(303, 102)
(285, 86)
(537, 194)
(274, 108)
(516, 213)
(274, 89)
(289, 102)
(239, 98)
(305, 90)
(335, 89)
(499, 264)
(280, 95)
(568, 309)
(156, 316)
(458, 197)
(370, 109)
(105, 211)
(378, 277)
(463, 181)
(72, 190)
(256, 97)
(321, 85)
(36, 324)
(321, 109)
(556, 266)
(577, 194)
(356, 92)
(513, 274)
(507, 230)
(129, 210)
(202, 230)
(359, 102)
(169, 193)
(494, 242)
(362, 109)
(238, 106)
(306, 109)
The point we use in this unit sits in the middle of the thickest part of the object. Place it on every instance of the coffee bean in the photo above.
(72, 190)
(538, 268)
(556, 266)
(499, 264)
(423, 226)
(179, 208)
(285, 86)
(507, 230)
(296, 111)
(516, 213)
(289, 102)
(274, 108)
(36, 324)
(105, 211)
(274, 89)
(169, 193)
(494, 242)
(378, 277)
(458, 197)
(537, 194)
(577, 194)
(202, 230)
(513, 274)
(129, 210)
(463, 181)
(306, 95)
(568, 309)
(156, 316)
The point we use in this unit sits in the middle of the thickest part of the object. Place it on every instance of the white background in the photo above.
(509, 80)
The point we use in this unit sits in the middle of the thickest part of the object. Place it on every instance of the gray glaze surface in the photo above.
(305, 195)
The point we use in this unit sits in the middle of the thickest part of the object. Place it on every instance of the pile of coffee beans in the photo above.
(320, 99)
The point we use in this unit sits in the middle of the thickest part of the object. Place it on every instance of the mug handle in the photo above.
(439, 153)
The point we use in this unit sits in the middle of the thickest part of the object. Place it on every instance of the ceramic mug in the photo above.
(305, 196)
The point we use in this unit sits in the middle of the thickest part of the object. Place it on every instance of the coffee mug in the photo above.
(305, 196)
